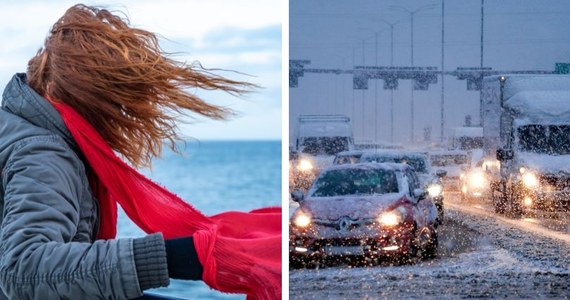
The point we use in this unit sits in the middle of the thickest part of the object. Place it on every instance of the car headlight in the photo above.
(393, 217)
(530, 180)
(305, 165)
(302, 220)
(434, 189)
(477, 180)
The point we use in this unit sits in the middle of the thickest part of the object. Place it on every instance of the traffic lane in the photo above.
(477, 258)
(555, 221)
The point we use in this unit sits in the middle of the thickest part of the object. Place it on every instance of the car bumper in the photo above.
(389, 242)
(547, 200)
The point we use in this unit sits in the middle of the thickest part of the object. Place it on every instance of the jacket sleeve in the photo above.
(43, 183)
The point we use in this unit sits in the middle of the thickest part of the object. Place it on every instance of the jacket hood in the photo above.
(21, 100)
(355, 207)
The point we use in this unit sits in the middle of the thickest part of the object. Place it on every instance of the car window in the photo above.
(324, 145)
(346, 159)
(355, 182)
(448, 160)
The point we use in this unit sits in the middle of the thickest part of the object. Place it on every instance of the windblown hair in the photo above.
(119, 79)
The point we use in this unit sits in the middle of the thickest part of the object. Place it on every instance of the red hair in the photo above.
(119, 79)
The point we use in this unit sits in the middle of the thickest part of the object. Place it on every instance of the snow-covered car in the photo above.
(429, 179)
(475, 182)
(377, 210)
(454, 162)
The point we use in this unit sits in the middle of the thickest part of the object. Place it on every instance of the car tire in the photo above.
(431, 250)
(440, 214)
(412, 254)
(516, 206)
(298, 262)
(499, 202)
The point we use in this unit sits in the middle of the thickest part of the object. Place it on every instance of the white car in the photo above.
(454, 162)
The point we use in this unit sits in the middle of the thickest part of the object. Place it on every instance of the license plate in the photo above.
(347, 250)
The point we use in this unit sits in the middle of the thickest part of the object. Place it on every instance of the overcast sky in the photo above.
(518, 35)
(244, 36)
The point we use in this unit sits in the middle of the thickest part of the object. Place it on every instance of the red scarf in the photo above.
(240, 252)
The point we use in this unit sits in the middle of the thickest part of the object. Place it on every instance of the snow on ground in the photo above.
(531, 225)
(479, 257)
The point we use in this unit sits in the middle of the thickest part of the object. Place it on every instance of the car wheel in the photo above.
(411, 256)
(499, 201)
(298, 262)
(440, 214)
(431, 249)
(516, 206)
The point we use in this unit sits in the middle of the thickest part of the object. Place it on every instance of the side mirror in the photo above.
(297, 195)
(504, 154)
(441, 173)
(420, 194)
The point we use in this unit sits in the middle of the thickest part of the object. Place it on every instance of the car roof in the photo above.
(351, 152)
(392, 153)
(370, 166)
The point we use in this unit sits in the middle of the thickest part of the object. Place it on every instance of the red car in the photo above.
(375, 210)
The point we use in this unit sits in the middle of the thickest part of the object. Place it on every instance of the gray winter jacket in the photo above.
(50, 218)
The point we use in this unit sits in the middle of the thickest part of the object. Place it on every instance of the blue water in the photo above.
(216, 176)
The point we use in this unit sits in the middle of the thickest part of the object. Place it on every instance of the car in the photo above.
(429, 179)
(371, 210)
(454, 162)
(475, 182)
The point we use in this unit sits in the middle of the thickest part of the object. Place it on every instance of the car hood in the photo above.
(355, 207)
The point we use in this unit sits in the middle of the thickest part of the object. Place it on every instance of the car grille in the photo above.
(343, 223)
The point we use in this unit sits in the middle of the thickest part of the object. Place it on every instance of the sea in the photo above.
(214, 176)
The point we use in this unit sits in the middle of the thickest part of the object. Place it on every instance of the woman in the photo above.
(96, 89)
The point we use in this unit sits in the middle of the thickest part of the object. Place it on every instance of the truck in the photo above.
(318, 138)
(467, 138)
(324, 134)
(526, 126)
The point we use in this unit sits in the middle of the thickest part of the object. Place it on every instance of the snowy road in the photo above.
(481, 255)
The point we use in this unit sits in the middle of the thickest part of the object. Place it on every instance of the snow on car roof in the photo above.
(369, 166)
(398, 153)
(351, 152)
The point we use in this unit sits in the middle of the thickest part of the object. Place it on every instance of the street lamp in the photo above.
(412, 13)
(391, 24)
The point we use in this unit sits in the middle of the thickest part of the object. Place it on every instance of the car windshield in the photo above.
(447, 160)
(355, 182)
(324, 145)
(469, 143)
(548, 139)
(418, 163)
